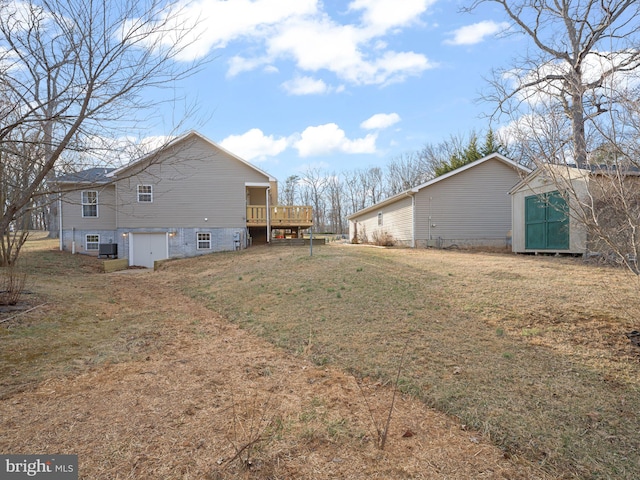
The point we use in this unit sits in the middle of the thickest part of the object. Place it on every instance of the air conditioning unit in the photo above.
(108, 250)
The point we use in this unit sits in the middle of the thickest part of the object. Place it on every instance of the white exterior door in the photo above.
(145, 248)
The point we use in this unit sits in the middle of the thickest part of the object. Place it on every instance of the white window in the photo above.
(145, 193)
(380, 218)
(204, 241)
(89, 203)
(92, 242)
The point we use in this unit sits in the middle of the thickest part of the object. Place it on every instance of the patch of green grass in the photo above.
(77, 322)
(531, 332)
(452, 320)
(571, 358)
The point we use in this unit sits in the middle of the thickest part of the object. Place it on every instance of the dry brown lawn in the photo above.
(268, 363)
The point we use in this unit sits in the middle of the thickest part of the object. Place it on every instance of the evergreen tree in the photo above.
(470, 153)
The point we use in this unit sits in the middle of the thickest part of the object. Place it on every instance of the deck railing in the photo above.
(280, 215)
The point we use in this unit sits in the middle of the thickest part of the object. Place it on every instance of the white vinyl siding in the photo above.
(395, 219)
(193, 183)
(473, 206)
(72, 210)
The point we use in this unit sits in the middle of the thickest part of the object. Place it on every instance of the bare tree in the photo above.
(355, 192)
(72, 77)
(335, 192)
(314, 185)
(290, 190)
(565, 99)
(373, 182)
(580, 46)
(406, 171)
(433, 156)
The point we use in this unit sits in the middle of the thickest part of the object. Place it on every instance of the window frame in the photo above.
(87, 203)
(144, 194)
(380, 221)
(203, 241)
(87, 242)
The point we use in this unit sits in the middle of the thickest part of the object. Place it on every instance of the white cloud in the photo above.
(239, 64)
(313, 141)
(595, 69)
(303, 32)
(476, 33)
(329, 138)
(380, 121)
(345, 51)
(382, 15)
(255, 145)
(305, 86)
(220, 21)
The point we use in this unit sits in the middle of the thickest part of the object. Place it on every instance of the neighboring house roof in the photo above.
(180, 139)
(414, 190)
(91, 175)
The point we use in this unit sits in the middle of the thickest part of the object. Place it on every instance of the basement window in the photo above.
(204, 241)
(92, 242)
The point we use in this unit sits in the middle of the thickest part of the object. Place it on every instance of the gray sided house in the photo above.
(188, 198)
(469, 206)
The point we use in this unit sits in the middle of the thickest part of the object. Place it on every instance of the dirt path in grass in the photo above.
(209, 401)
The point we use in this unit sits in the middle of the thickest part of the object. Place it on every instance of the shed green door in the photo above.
(546, 222)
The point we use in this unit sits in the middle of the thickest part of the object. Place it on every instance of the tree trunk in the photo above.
(578, 119)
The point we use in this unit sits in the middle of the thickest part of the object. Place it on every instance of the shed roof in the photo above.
(567, 172)
(441, 178)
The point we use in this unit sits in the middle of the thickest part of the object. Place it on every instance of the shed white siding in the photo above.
(395, 220)
(539, 183)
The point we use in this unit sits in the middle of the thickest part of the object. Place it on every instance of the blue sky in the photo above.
(340, 85)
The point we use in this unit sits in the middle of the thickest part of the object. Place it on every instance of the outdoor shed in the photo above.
(543, 204)
(469, 206)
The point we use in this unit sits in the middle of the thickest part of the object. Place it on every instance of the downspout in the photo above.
(60, 219)
(115, 201)
(268, 215)
(429, 242)
(413, 221)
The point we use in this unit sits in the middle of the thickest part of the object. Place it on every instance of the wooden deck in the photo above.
(280, 216)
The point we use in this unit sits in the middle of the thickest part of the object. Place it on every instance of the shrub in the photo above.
(12, 282)
(382, 238)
